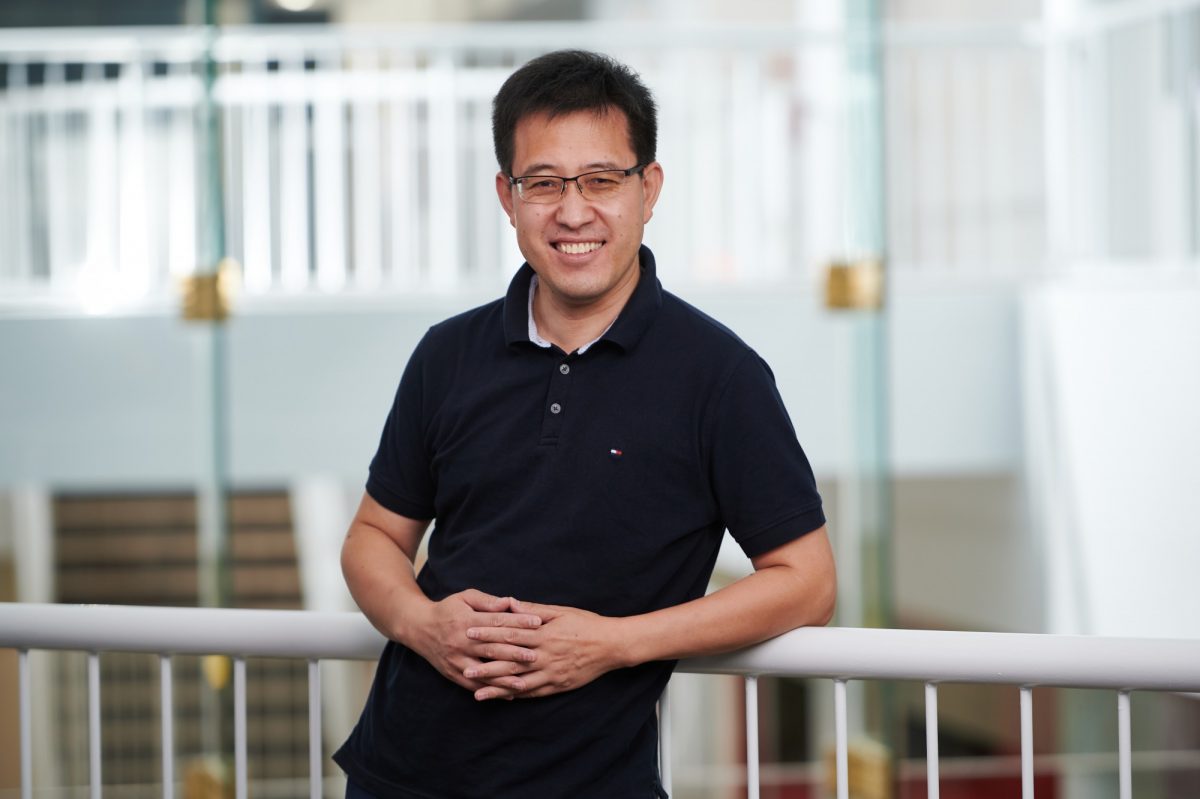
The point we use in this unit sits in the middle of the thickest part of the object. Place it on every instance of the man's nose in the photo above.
(573, 209)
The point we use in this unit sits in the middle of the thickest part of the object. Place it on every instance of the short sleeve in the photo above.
(400, 476)
(762, 479)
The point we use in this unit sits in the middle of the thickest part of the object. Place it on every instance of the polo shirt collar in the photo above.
(634, 320)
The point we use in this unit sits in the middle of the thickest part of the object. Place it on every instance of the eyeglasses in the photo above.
(600, 185)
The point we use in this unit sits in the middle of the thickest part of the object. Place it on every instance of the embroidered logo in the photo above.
(615, 453)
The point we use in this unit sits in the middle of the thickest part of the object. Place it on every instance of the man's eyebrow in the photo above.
(550, 169)
(538, 169)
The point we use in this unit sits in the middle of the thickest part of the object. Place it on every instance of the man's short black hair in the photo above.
(567, 81)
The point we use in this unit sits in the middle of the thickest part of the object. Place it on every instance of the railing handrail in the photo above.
(1161, 664)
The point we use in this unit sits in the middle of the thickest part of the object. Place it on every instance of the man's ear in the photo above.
(652, 181)
(505, 192)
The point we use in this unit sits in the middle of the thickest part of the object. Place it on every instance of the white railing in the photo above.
(838, 654)
(357, 161)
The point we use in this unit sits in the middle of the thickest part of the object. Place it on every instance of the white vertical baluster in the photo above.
(1124, 745)
(329, 155)
(444, 217)
(752, 737)
(133, 262)
(1059, 157)
(57, 152)
(181, 180)
(167, 724)
(403, 229)
(490, 243)
(93, 676)
(931, 741)
(8, 202)
(294, 191)
(1026, 742)
(26, 722)
(366, 173)
(20, 189)
(256, 177)
(102, 186)
(664, 738)
(745, 215)
(314, 729)
(239, 727)
(843, 759)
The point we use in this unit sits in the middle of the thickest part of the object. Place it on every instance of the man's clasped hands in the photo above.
(502, 648)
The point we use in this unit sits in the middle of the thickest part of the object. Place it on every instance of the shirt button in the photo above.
(556, 408)
(564, 369)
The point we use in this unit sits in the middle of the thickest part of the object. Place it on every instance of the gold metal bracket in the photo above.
(207, 295)
(855, 285)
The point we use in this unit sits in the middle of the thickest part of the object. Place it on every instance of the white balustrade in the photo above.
(359, 160)
(839, 654)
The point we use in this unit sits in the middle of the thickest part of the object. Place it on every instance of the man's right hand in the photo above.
(439, 635)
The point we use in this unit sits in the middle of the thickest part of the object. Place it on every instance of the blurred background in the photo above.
(965, 235)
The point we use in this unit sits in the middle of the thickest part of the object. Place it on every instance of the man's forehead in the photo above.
(592, 137)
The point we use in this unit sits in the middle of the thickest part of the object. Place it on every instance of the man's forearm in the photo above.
(762, 605)
(382, 580)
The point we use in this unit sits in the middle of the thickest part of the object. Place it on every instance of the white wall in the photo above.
(1114, 453)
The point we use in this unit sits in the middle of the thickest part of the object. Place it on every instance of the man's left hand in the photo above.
(573, 648)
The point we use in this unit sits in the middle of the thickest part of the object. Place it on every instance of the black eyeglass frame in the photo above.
(513, 180)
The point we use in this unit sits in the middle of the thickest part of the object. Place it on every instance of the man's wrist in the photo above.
(409, 618)
(627, 648)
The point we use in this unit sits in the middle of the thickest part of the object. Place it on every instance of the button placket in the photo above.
(556, 401)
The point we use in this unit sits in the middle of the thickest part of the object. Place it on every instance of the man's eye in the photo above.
(601, 182)
(541, 184)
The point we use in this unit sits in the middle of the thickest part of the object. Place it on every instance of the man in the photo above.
(583, 444)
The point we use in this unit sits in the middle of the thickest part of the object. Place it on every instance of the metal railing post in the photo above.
(752, 778)
(315, 762)
(26, 722)
(93, 678)
(239, 728)
(1026, 742)
(932, 780)
(167, 723)
(843, 766)
(1124, 745)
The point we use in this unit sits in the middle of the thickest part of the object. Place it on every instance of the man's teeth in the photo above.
(579, 248)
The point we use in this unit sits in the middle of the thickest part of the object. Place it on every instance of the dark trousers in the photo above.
(355, 792)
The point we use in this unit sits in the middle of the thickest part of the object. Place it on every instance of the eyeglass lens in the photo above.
(547, 188)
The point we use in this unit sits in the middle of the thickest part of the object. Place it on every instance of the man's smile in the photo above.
(577, 247)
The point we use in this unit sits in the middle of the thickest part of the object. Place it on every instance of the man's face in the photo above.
(584, 251)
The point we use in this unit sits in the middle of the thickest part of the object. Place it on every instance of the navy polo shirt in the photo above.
(604, 481)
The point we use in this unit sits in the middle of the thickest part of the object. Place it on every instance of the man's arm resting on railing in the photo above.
(378, 559)
(792, 586)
